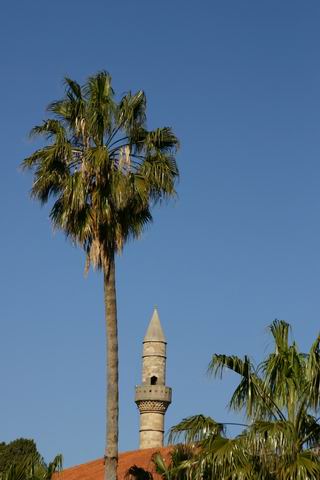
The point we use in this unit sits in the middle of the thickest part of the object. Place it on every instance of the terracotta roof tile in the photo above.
(94, 470)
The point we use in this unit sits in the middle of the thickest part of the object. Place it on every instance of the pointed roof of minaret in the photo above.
(154, 331)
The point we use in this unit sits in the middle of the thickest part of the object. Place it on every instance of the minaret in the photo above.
(152, 396)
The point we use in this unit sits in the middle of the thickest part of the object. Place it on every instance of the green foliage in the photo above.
(20, 460)
(102, 166)
(280, 398)
(178, 465)
(138, 473)
(195, 429)
(16, 452)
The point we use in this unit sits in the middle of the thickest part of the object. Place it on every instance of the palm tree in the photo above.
(104, 170)
(280, 398)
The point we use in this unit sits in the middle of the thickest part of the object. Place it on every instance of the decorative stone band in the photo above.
(153, 392)
(152, 406)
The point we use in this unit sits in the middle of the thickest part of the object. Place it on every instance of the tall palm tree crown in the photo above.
(102, 166)
(104, 170)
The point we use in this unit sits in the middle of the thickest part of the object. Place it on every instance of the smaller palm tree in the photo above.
(280, 398)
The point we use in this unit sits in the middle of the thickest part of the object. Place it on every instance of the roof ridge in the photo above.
(121, 454)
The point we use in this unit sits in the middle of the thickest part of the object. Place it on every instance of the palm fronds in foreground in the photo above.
(280, 399)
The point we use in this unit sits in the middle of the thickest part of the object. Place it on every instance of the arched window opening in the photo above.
(153, 380)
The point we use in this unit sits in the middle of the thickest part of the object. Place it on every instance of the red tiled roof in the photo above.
(94, 470)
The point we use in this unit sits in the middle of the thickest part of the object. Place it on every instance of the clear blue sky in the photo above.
(239, 82)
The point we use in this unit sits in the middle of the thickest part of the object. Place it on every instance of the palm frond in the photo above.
(280, 332)
(131, 113)
(138, 473)
(220, 362)
(182, 457)
(194, 429)
(101, 106)
(303, 466)
(50, 129)
(313, 373)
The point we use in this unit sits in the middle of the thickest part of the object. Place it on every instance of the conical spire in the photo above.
(154, 331)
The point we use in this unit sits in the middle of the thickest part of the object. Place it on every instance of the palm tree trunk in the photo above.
(111, 452)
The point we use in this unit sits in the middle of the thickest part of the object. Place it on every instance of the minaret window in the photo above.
(154, 380)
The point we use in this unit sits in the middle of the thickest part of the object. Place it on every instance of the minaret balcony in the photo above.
(153, 392)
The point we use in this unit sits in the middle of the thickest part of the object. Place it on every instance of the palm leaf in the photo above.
(194, 429)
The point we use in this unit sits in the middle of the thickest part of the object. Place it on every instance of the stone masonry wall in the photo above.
(154, 362)
(151, 430)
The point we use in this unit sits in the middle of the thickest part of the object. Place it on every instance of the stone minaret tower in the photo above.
(153, 397)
